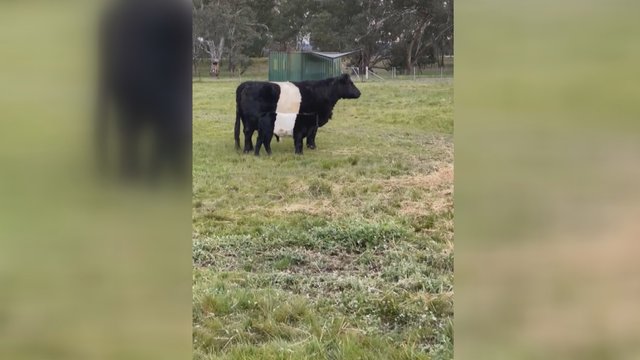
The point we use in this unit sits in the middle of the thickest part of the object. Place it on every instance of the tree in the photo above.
(227, 27)
(265, 17)
(403, 33)
(215, 53)
(355, 24)
(291, 23)
(209, 28)
(426, 24)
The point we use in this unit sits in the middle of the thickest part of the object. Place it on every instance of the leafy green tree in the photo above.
(401, 33)
(291, 23)
(225, 29)
(425, 27)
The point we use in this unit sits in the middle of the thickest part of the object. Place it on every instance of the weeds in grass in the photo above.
(319, 187)
(358, 236)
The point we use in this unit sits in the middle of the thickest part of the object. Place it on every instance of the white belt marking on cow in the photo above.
(287, 109)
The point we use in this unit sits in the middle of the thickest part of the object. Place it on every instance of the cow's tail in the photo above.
(236, 130)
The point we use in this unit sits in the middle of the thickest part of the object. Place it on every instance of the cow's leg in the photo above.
(267, 145)
(298, 136)
(311, 137)
(259, 142)
(248, 144)
(267, 122)
(265, 130)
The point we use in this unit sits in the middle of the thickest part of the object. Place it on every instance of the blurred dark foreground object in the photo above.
(87, 271)
(143, 120)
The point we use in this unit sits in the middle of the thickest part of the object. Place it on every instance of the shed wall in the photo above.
(296, 66)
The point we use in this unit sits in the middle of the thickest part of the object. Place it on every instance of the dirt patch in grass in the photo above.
(312, 208)
(441, 177)
(437, 186)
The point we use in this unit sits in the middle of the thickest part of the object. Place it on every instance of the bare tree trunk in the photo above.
(409, 57)
(215, 55)
(416, 41)
(364, 61)
(220, 47)
(439, 53)
(231, 66)
(195, 67)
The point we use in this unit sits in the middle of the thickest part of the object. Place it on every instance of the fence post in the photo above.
(414, 73)
(366, 76)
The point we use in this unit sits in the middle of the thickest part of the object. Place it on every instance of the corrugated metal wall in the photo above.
(296, 66)
(285, 66)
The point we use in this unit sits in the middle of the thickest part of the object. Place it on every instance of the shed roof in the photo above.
(332, 55)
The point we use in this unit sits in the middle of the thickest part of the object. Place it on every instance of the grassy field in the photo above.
(345, 252)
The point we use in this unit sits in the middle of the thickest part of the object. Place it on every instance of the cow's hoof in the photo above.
(311, 146)
(246, 151)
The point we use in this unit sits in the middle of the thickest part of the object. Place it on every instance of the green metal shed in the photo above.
(306, 65)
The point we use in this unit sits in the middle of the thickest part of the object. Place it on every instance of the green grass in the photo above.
(345, 252)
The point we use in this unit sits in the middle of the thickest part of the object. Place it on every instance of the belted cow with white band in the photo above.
(288, 109)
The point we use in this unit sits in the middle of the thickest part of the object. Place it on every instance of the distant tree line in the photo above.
(389, 33)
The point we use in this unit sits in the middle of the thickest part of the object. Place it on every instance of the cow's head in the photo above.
(345, 88)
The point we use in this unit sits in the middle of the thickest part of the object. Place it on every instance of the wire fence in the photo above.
(258, 69)
(396, 73)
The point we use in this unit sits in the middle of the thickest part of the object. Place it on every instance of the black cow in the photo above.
(288, 108)
(144, 86)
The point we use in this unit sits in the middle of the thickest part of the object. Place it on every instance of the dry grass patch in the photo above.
(441, 177)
